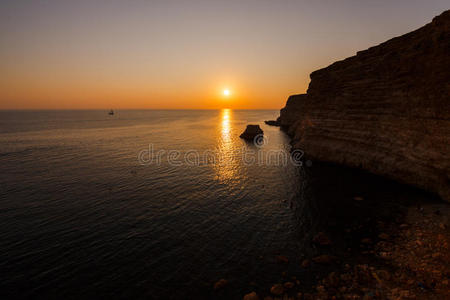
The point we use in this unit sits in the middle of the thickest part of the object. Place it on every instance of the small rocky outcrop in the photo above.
(385, 110)
(251, 132)
(273, 122)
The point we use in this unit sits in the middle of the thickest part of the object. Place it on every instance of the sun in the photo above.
(226, 92)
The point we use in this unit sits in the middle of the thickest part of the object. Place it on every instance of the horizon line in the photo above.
(125, 109)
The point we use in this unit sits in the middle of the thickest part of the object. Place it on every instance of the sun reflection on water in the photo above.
(227, 167)
(226, 124)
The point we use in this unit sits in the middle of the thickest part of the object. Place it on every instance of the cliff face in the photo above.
(386, 110)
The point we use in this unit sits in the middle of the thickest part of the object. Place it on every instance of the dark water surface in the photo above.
(81, 216)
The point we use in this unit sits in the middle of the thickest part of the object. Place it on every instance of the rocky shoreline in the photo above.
(405, 261)
(369, 238)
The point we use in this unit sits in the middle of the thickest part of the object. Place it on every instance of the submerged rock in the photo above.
(366, 241)
(220, 284)
(288, 285)
(324, 259)
(251, 132)
(277, 289)
(306, 263)
(383, 236)
(322, 239)
(282, 259)
(251, 296)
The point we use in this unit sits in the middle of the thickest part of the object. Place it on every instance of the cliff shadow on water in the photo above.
(348, 205)
(363, 234)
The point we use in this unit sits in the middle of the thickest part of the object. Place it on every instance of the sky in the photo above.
(183, 54)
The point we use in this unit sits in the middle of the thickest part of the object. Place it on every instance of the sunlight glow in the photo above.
(227, 167)
(226, 92)
(226, 125)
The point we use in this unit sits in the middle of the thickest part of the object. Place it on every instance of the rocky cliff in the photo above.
(386, 110)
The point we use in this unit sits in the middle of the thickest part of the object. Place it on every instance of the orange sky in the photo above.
(182, 54)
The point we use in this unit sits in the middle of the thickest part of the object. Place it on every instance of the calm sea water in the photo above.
(82, 216)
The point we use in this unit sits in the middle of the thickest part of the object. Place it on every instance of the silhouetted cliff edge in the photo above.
(385, 110)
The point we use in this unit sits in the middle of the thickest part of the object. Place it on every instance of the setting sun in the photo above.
(226, 92)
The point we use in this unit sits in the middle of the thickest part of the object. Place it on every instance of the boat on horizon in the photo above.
(111, 112)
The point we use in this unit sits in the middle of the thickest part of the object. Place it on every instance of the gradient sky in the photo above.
(182, 54)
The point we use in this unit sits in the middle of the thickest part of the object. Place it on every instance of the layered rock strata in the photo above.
(385, 110)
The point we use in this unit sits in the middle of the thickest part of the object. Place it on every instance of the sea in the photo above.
(164, 204)
(151, 204)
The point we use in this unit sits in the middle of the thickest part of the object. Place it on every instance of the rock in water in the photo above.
(282, 259)
(277, 289)
(251, 296)
(322, 239)
(272, 122)
(289, 285)
(324, 259)
(306, 263)
(385, 110)
(251, 132)
(220, 284)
